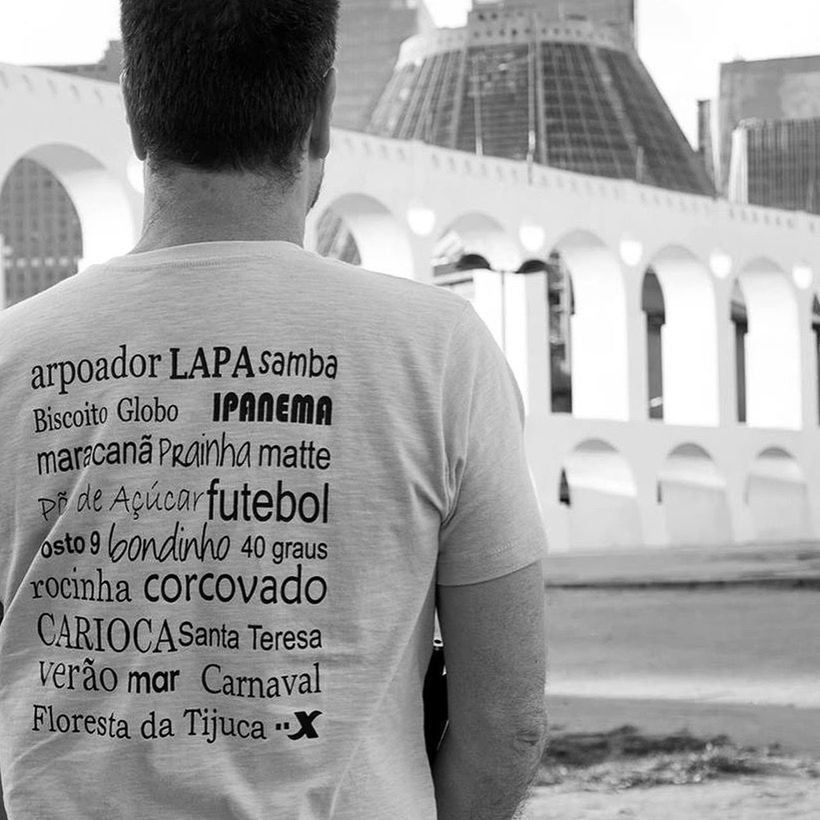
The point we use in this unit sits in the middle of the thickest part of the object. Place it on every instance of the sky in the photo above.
(682, 42)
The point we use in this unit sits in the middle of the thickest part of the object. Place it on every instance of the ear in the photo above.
(320, 129)
(136, 138)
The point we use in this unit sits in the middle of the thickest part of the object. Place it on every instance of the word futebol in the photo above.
(281, 505)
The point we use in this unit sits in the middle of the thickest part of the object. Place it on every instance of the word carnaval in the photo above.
(216, 682)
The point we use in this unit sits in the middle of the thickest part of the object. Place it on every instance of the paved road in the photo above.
(743, 661)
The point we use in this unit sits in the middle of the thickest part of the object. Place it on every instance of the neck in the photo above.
(195, 206)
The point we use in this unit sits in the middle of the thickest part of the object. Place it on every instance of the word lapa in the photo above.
(219, 361)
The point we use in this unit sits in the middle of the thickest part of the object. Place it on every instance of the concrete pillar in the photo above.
(808, 363)
(527, 341)
(636, 350)
(2, 272)
(422, 251)
(727, 371)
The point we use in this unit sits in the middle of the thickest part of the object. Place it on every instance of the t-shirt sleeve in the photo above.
(493, 526)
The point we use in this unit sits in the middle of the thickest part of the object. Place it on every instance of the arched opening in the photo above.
(358, 229)
(772, 350)
(561, 308)
(335, 241)
(815, 328)
(693, 495)
(740, 327)
(60, 210)
(474, 234)
(597, 327)
(599, 490)
(682, 339)
(101, 202)
(41, 231)
(777, 496)
(652, 305)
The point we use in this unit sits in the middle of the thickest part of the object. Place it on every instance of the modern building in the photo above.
(761, 90)
(548, 83)
(777, 163)
(370, 35)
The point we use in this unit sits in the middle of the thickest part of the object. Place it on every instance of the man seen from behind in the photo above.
(239, 480)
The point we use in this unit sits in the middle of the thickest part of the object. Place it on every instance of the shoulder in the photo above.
(397, 300)
(390, 287)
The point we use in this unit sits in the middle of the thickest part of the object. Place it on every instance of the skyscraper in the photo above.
(777, 163)
(780, 89)
(370, 35)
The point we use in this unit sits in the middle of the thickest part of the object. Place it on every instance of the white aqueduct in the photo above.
(697, 477)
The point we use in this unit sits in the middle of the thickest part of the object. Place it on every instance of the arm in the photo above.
(495, 651)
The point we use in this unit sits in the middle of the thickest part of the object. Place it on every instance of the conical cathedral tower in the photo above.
(555, 82)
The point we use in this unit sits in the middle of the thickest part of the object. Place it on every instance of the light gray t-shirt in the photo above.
(232, 474)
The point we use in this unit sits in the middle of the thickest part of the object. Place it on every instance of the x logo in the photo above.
(305, 725)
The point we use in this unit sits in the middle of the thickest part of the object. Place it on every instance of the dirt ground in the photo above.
(674, 704)
(745, 798)
(625, 773)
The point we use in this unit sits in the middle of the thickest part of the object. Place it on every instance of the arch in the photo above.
(693, 495)
(689, 359)
(777, 496)
(772, 347)
(41, 232)
(99, 198)
(600, 371)
(334, 239)
(380, 239)
(477, 233)
(602, 498)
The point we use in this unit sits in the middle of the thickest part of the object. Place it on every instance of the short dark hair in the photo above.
(225, 85)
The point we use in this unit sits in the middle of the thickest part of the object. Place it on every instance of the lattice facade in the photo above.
(520, 84)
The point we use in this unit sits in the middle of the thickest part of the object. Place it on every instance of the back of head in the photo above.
(226, 85)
